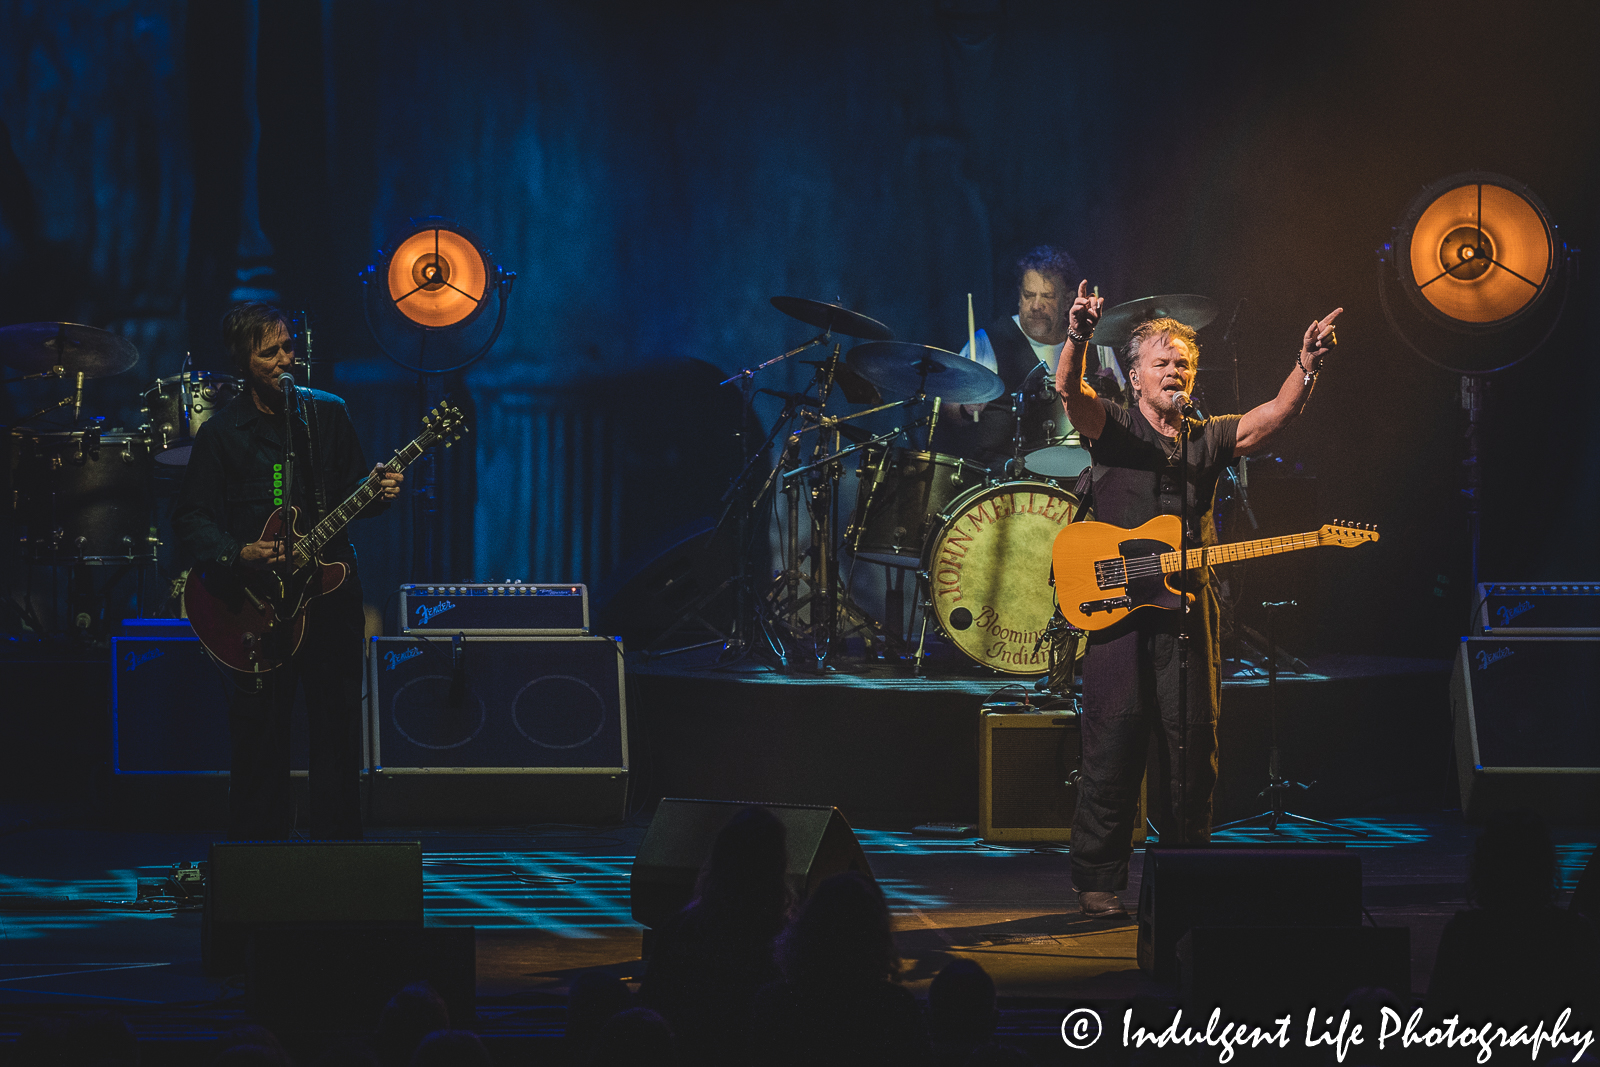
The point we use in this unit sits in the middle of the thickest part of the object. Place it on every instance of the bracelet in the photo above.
(1310, 375)
(1079, 338)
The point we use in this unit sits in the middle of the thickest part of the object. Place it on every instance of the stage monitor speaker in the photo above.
(339, 977)
(1528, 725)
(679, 839)
(1223, 886)
(1266, 972)
(265, 885)
(1028, 776)
(530, 729)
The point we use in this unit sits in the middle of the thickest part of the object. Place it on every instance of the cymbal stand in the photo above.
(748, 616)
(1277, 784)
(749, 372)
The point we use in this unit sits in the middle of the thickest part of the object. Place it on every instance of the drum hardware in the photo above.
(832, 319)
(901, 368)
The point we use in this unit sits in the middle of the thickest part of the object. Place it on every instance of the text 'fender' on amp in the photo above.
(494, 608)
(1534, 608)
(1527, 718)
(501, 728)
(1028, 776)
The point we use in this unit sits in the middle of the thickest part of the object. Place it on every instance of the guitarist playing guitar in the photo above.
(1130, 671)
(234, 482)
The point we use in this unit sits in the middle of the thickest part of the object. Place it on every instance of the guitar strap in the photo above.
(1083, 489)
(312, 434)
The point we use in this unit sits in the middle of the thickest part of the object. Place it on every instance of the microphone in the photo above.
(77, 397)
(1182, 402)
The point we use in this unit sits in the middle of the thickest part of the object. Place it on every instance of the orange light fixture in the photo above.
(438, 278)
(1476, 251)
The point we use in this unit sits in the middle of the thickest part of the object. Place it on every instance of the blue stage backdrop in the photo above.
(654, 173)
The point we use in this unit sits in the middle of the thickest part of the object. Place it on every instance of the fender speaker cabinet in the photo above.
(509, 729)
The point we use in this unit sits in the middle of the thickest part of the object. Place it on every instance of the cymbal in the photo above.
(1117, 325)
(856, 389)
(833, 318)
(901, 368)
(34, 347)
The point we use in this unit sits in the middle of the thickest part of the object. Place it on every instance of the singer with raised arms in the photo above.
(235, 480)
(1130, 670)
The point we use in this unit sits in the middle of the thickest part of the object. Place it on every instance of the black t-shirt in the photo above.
(1135, 472)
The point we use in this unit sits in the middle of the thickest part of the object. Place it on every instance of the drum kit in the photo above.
(82, 494)
(978, 540)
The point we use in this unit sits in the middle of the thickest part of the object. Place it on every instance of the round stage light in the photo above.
(438, 278)
(1476, 251)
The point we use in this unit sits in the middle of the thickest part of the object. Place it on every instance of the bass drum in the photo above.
(988, 572)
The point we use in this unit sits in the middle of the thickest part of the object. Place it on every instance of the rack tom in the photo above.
(179, 406)
(898, 498)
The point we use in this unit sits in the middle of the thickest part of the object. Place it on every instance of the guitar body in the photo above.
(1104, 572)
(254, 620)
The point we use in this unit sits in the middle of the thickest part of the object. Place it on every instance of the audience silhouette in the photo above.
(409, 1016)
(714, 955)
(1515, 957)
(840, 999)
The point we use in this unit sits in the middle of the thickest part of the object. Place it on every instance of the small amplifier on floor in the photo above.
(494, 608)
(1028, 774)
(1538, 608)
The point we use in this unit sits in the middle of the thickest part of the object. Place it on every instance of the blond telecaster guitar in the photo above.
(1103, 572)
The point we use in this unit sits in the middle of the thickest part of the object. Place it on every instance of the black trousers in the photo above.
(1130, 695)
(328, 664)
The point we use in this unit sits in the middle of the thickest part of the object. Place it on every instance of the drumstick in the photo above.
(972, 339)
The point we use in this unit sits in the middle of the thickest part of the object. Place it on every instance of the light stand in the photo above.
(437, 280)
(1478, 256)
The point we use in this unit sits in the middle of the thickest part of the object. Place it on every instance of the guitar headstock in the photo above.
(444, 424)
(1347, 534)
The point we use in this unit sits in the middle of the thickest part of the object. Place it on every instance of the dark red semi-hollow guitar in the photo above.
(254, 620)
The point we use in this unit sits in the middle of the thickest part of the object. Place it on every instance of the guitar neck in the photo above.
(309, 546)
(1214, 554)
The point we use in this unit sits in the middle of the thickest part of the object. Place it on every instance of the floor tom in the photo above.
(83, 497)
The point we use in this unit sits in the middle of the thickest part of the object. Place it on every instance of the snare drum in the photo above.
(899, 494)
(179, 406)
(988, 572)
(83, 497)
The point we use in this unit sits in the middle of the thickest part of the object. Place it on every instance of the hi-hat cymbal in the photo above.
(901, 368)
(35, 347)
(833, 318)
(1117, 325)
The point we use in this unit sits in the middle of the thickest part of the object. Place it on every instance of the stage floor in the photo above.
(548, 903)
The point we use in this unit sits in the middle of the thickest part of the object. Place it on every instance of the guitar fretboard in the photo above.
(1214, 554)
(311, 545)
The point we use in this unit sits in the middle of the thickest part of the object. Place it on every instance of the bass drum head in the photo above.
(989, 572)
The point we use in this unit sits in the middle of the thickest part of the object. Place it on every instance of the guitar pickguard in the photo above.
(1141, 589)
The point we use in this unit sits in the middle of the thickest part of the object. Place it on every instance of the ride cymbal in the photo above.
(1117, 325)
(901, 368)
(35, 347)
(833, 318)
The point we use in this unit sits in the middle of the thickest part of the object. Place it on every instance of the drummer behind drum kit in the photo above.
(84, 495)
(979, 541)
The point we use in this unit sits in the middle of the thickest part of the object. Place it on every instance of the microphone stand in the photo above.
(1183, 626)
(286, 531)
